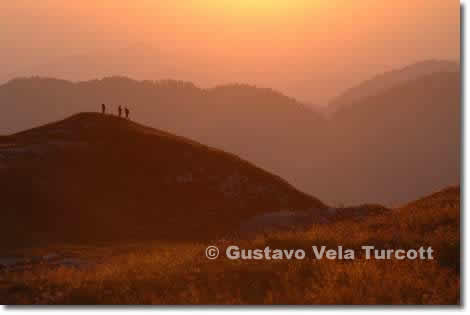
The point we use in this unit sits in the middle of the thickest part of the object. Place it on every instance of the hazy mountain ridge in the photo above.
(342, 159)
(410, 139)
(387, 80)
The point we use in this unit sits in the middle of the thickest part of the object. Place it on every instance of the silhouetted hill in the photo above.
(258, 124)
(93, 177)
(388, 148)
(385, 81)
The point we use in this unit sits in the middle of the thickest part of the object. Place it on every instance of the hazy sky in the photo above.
(308, 49)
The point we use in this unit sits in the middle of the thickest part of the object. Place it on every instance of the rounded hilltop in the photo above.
(94, 177)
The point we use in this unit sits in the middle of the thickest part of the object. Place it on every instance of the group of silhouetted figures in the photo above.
(120, 110)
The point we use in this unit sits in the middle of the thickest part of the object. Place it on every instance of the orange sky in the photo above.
(309, 49)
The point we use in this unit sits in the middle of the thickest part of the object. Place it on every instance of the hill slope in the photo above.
(93, 177)
(184, 275)
(388, 80)
(401, 143)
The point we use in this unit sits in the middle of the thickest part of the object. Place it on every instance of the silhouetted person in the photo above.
(103, 109)
(120, 111)
(126, 110)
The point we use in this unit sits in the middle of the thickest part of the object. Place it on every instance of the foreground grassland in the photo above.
(181, 274)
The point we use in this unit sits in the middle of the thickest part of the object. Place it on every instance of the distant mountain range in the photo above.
(385, 81)
(408, 138)
(96, 178)
(398, 139)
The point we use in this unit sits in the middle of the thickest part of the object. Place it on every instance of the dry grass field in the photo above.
(179, 273)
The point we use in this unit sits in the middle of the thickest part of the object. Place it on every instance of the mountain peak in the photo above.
(388, 80)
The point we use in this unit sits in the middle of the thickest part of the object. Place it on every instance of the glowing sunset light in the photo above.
(296, 46)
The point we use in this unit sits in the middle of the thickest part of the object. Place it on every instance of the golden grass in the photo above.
(180, 273)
